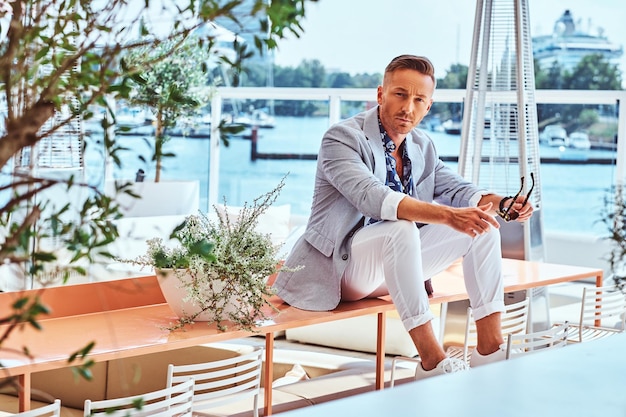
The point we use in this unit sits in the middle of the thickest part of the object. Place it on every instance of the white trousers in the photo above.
(395, 258)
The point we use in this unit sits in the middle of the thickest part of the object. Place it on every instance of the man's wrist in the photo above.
(502, 203)
(476, 199)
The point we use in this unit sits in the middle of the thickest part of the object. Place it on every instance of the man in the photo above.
(387, 215)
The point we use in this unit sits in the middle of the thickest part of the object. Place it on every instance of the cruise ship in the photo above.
(568, 44)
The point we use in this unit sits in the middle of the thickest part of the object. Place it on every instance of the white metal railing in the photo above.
(335, 96)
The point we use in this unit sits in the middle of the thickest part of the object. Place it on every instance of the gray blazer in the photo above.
(350, 186)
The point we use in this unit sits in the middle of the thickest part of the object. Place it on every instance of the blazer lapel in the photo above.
(418, 163)
(372, 132)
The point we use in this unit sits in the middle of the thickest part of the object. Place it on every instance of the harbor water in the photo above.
(572, 194)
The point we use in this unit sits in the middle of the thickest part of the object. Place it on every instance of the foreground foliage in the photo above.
(58, 59)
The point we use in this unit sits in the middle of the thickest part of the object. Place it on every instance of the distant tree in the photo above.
(540, 75)
(553, 78)
(588, 117)
(307, 74)
(367, 80)
(456, 77)
(594, 72)
(255, 76)
(285, 77)
(312, 73)
(340, 80)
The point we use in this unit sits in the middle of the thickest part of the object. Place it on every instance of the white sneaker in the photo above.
(479, 360)
(446, 366)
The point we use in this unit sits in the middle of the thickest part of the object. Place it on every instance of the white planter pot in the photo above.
(175, 294)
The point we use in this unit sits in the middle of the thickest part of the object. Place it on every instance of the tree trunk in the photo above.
(158, 145)
(22, 132)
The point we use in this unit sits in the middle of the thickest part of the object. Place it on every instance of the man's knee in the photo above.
(401, 235)
(489, 239)
(404, 228)
(493, 235)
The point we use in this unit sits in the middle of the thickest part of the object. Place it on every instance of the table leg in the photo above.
(380, 351)
(599, 283)
(529, 321)
(24, 394)
(269, 372)
(443, 314)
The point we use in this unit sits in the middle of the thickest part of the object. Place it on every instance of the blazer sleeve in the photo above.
(452, 189)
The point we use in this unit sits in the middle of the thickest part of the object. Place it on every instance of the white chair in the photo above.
(599, 303)
(534, 342)
(222, 382)
(51, 410)
(514, 321)
(397, 359)
(168, 402)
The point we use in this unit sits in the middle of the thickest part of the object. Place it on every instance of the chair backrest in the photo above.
(168, 402)
(51, 410)
(601, 303)
(526, 343)
(514, 321)
(224, 381)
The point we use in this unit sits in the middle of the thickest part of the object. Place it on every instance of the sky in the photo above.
(362, 36)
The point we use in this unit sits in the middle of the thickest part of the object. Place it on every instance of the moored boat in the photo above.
(257, 117)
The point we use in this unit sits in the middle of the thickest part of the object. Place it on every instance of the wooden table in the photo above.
(583, 379)
(129, 318)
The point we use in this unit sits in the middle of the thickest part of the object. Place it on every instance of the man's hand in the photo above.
(524, 211)
(473, 221)
(521, 209)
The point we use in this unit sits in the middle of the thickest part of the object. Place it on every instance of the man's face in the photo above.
(404, 98)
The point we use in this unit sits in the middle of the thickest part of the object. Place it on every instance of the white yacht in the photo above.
(568, 44)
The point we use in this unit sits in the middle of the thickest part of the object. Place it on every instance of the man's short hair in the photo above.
(420, 64)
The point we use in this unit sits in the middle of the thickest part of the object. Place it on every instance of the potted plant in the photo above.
(217, 270)
(613, 216)
(170, 79)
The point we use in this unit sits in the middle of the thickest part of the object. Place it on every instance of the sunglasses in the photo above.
(507, 213)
